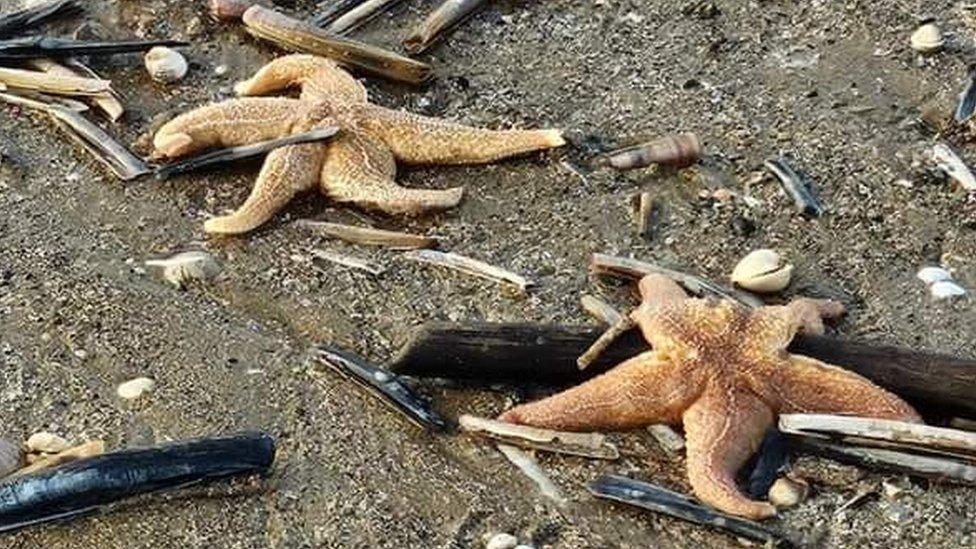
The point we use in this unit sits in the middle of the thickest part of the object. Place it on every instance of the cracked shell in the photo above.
(762, 271)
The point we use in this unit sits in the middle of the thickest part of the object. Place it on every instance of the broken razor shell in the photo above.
(592, 445)
(676, 151)
(384, 384)
(796, 185)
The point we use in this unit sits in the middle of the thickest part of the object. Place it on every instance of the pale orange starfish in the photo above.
(723, 371)
(357, 166)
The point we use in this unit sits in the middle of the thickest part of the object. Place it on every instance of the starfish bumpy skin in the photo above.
(358, 166)
(724, 372)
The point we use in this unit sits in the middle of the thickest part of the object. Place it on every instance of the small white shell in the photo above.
(165, 65)
(45, 442)
(930, 275)
(787, 492)
(135, 388)
(946, 289)
(927, 39)
(11, 458)
(502, 541)
(762, 271)
(186, 266)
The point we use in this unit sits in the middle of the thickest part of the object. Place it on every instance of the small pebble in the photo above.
(927, 39)
(787, 492)
(45, 442)
(502, 541)
(165, 65)
(135, 388)
(220, 70)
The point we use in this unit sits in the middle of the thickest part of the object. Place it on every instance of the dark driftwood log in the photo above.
(547, 353)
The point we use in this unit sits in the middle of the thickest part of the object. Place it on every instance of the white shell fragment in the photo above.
(165, 65)
(502, 541)
(787, 492)
(930, 275)
(183, 267)
(135, 388)
(946, 289)
(11, 457)
(950, 163)
(927, 39)
(762, 271)
(45, 442)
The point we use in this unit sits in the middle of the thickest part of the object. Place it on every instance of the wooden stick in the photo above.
(86, 450)
(296, 35)
(592, 445)
(547, 353)
(369, 236)
(470, 266)
(623, 267)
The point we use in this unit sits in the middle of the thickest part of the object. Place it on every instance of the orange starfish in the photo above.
(358, 166)
(723, 371)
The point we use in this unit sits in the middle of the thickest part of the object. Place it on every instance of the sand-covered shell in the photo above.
(11, 457)
(186, 266)
(45, 442)
(762, 271)
(927, 39)
(165, 64)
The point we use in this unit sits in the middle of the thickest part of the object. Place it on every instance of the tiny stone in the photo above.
(502, 541)
(135, 388)
(46, 442)
(220, 70)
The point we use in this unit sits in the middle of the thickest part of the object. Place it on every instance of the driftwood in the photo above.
(660, 500)
(383, 384)
(242, 152)
(295, 35)
(19, 21)
(369, 236)
(495, 352)
(593, 445)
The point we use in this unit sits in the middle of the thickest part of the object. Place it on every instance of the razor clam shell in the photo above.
(678, 151)
(383, 384)
(19, 21)
(32, 48)
(52, 83)
(604, 264)
(796, 185)
(470, 266)
(368, 236)
(531, 468)
(89, 449)
(299, 36)
(448, 15)
(108, 103)
(349, 261)
(233, 154)
(967, 100)
(950, 163)
(603, 342)
(600, 310)
(333, 10)
(359, 16)
(592, 445)
(660, 500)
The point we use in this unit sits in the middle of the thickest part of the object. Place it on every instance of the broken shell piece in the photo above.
(797, 185)
(787, 492)
(950, 163)
(946, 289)
(762, 271)
(135, 388)
(531, 468)
(927, 39)
(165, 65)
(45, 442)
(677, 151)
(502, 541)
(11, 457)
(592, 445)
(668, 438)
(183, 267)
(931, 275)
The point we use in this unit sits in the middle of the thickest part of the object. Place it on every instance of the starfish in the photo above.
(723, 371)
(358, 166)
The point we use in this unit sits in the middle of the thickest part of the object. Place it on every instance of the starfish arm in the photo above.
(722, 429)
(418, 139)
(319, 79)
(639, 391)
(360, 169)
(230, 123)
(286, 171)
(805, 385)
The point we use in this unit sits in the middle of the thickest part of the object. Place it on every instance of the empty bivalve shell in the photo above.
(927, 39)
(165, 64)
(762, 271)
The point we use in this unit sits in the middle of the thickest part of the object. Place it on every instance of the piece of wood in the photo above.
(368, 236)
(592, 445)
(496, 352)
(664, 501)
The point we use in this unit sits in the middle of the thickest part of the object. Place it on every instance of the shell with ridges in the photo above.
(165, 65)
(762, 271)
